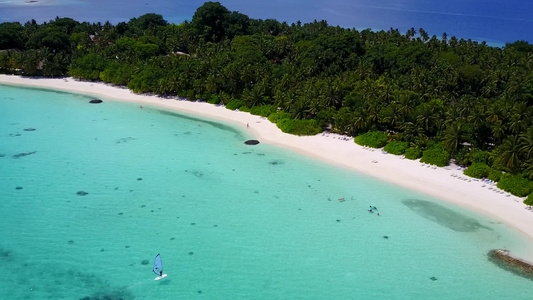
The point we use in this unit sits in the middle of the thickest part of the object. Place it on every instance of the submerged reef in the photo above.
(443, 216)
(5, 254)
(506, 261)
(110, 295)
(125, 140)
(24, 154)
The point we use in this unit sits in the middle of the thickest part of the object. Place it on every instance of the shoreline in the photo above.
(447, 184)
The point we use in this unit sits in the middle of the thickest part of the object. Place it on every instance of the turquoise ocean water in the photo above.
(230, 221)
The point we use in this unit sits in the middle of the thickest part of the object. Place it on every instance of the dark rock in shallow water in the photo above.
(506, 261)
(82, 193)
(94, 101)
(251, 142)
(145, 262)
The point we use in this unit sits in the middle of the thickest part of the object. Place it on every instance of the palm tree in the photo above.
(428, 118)
(454, 135)
(300, 109)
(529, 168)
(360, 121)
(410, 33)
(410, 131)
(496, 112)
(498, 131)
(526, 143)
(391, 116)
(516, 123)
(510, 153)
(211, 83)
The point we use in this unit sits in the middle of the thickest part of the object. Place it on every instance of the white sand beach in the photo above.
(448, 184)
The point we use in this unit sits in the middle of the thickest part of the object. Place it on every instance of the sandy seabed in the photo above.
(448, 183)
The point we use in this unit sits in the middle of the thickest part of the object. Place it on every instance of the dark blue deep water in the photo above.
(494, 21)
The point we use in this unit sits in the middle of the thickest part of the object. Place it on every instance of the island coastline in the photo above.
(447, 184)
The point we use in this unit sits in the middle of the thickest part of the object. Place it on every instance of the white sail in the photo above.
(158, 266)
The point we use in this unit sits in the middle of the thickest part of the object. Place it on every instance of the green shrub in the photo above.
(462, 157)
(278, 116)
(436, 155)
(299, 127)
(234, 104)
(479, 157)
(214, 99)
(478, 170)
(189, 94)
(373, 139)
(529, 200)
(412, 153)
(263, 110)
(516, 185)
(245, 108)
(495, 175)
(397, 148)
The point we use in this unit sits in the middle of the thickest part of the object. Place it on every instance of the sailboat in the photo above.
(158, 267)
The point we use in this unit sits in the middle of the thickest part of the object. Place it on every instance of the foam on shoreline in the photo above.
(448, 184)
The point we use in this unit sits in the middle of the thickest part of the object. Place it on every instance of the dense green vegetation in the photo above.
(473, 100)
(373, 139)
(495, 175)
(436, 154)
(529, 200)
(396, 148)
(413, 153)
(516, 185)
(478, 170)
(299, 127)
